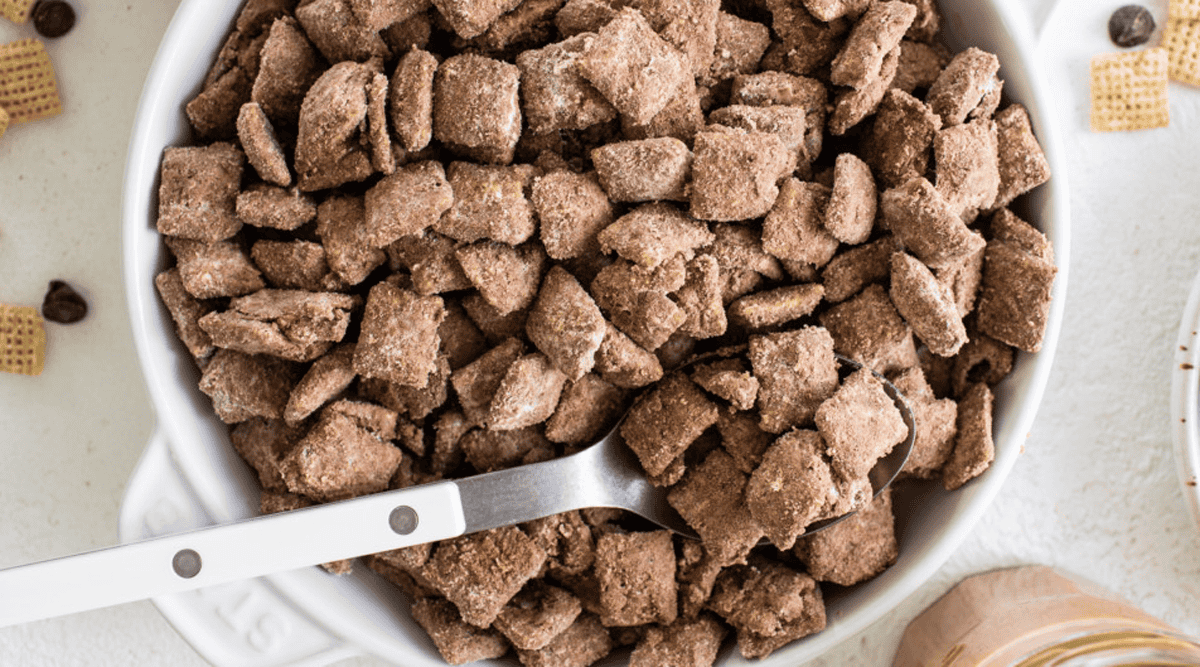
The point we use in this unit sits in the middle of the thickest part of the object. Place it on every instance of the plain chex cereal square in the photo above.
(1183, 9)
(28, 90)
(17, 11)
(1181, 39)
(22, 340)
(1129, 90)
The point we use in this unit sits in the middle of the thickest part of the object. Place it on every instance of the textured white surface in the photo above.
(1095, 491)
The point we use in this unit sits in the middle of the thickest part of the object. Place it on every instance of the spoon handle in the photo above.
(230, 552)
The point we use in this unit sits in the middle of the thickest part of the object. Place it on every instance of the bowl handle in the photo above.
(241, 624)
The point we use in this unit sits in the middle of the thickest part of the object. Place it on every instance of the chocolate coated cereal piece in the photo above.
(850, 215)
(806, 43)
(856, 549)
(850, 271)
(476, 107)
(198, 192)
(662, 424)
(779, 88)
(828, 10)
(567, 540)
(654, 233)
(213, 113)
(494, 326)
(796, 371)
(645, 170)
(868, 329)
(769, 605)
(288, 66)
(430, 259)
(860, 424)
(926, 224)
(1014, 299)
(481, 572)
(462, 341)
(920, 65)
(566, 324)
(185, 311)
(631, 65)
(684, 643)
(292, 324)
(343, 232)
(527, 394)
(477, 382)
(586, 409)
(901, 138)
(379, 14)
(636, 572)
(326, 378)
(531, 23)
(711, 499)
(681, 118)
(470, 18)
(795, 226)
(406, 202)
(968, 172)
(852, 105)
(935, 421)
(212, 270)
(410, 99)
(398, 341)
(489, 202)
(876, 33)
(729, 379)
(963, 280)
(242, 386)
(789, 123)
(982, 359)
(554, 94)
(928, 306)
(416, 402)
(572, 208)
(973, 447)
(537, 614)
(700, 299)
(457, 641)
(1023, 165)
(330, 148)
(262, 149)
(261, 443)
(769, 308)
(743, 439)
(689, 26)
(379, 140)
(507, 277)
(624, 363)
(965, 81)
(582, 644)
(739, 47)
(487, 450)
(790, 487)
(338, 33)
(263, 205)
(735, 175)
(295, 265)
(578, 16)
(638, 306)
(1006, 227)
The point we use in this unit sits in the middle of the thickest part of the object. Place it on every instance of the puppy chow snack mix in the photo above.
(423, 240)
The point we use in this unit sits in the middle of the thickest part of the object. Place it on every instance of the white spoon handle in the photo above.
(230, 552)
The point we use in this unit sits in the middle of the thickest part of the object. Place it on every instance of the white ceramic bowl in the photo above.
(190, 475)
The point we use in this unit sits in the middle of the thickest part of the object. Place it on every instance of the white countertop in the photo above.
(1095, 491)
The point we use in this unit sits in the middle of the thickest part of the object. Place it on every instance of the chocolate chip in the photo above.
(63, 304)
(1130, 25)
(53, 18)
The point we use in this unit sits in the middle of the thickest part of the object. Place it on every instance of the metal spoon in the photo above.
(605, 474)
